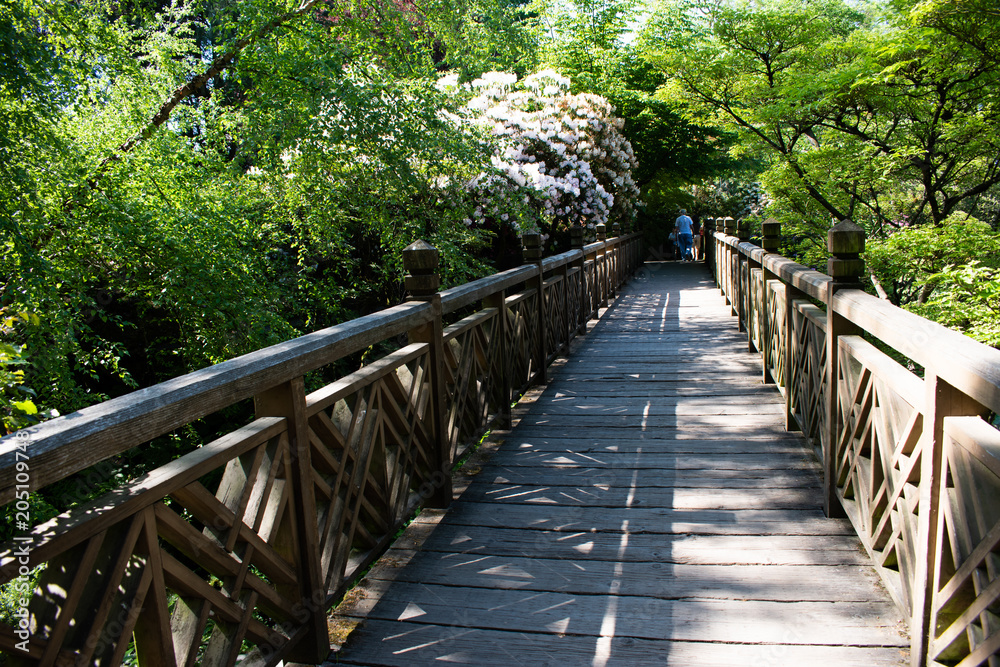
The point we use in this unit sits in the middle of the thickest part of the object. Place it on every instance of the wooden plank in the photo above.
(749, 389)
(686, 430)
(619, 442)
(504, 495)
(658, 461)
(857, 623)
(650, 520)
(385, 643)
(617, 478)
(659, 408)
(686, 548)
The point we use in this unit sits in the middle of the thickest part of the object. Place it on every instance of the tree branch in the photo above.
(218, 65)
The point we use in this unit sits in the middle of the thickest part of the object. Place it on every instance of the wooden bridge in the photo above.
(668, 494)
(648, 509)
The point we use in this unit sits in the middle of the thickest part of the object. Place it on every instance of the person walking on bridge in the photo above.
(684, 228)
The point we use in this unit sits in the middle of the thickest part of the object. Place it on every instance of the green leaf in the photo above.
(27, 407)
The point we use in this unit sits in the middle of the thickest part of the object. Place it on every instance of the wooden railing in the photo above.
(907, 456)
(234, 551)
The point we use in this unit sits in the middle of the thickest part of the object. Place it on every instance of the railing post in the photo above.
(941, 400)
(616, 232)
(742, 279)
(288, 400)
(420, 259)
(602, 270)
(501, 373)
(846, 242)
(576, 243)
(532, 254)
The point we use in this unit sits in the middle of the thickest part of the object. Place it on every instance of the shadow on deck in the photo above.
(648, 508)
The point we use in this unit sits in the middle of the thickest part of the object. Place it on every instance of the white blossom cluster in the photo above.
(562, 154)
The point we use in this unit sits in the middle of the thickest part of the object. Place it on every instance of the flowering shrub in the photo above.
(562, 159)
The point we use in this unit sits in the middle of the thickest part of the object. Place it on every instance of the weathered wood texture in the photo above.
(233, 552)
(909, 459)
(648, 508)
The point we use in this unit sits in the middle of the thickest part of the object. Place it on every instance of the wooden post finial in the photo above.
(616, 229)
(846, 242)
(421, 260)
(771, 230)
(743, 230)
(729, 225)
(576, 237)
(602, 232)
(531, 243)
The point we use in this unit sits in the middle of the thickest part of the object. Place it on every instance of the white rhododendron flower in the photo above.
(566, 150)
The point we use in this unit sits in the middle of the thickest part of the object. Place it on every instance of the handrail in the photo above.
(964, 363)
(74, 442)
(908, 459)
(248, 539)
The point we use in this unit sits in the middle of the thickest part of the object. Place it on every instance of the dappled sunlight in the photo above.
(649, 508)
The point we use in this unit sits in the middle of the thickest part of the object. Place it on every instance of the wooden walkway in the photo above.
(648, 509)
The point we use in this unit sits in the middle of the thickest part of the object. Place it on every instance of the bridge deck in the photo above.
(649, 508)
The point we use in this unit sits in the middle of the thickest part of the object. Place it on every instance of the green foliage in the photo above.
(589, 42)
(153, 236)
(875, 116)
(16, 401)
(947, 273)
(909, 263)
(967, 298)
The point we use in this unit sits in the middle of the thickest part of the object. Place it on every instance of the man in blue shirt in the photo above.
(683, 226)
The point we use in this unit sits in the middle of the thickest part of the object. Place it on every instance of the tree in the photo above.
(184, 182)
(590, 42)
(874, 120)
(930, 270)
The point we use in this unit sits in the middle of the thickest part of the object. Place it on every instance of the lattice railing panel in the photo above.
(755, 331)
(776, 332)
(591, 297)
(372, 452)
(574, 287)
(808, 370)
(472, 362)
(966, 602)
(193, 560)
(522, 339)
(743, 290)
(878, 459)
(555, 315)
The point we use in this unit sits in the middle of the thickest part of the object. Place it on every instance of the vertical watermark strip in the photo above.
(22, 536)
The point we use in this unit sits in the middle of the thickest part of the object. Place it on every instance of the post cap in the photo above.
(743, 230)
(421, 260)
(420, 257)
(532, 246)
(845, 239)
(771, 231)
